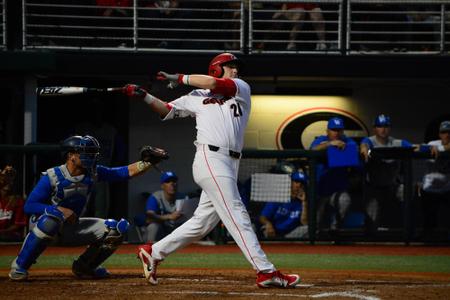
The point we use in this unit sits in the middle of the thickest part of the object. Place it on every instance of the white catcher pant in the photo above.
(216, 174)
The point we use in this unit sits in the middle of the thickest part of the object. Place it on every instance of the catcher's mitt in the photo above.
(153, 155)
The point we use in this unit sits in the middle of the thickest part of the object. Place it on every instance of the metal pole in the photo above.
(250, 26)
(135, 25)
(407, 199)
(442, 44)
(348, 28)
(24, 25)
(311, 194)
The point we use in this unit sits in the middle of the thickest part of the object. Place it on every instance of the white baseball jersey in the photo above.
(221, 122)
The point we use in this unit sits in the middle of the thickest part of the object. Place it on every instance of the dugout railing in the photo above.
(333, 27)
(30, 160)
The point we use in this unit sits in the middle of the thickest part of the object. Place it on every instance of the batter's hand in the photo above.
(133, 90)
(174, 79)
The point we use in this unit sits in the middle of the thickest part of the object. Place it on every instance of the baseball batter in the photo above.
(59, 199)
(221, 107)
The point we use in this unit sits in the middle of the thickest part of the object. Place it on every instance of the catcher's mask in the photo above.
(216, 65)
(87, 146)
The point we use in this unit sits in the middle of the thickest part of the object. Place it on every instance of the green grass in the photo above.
(392, 263)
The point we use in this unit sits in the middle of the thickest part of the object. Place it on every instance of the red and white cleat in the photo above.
(276, 279)
(148, 263)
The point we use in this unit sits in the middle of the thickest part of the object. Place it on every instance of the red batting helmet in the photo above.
(215, 66)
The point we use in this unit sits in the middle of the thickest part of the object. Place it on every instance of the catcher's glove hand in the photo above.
(153, 155)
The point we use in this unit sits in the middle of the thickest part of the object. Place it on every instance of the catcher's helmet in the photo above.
(215, 66)
(87, 146)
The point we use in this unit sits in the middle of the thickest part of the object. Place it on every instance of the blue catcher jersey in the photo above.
(58, 187)
(284, 216)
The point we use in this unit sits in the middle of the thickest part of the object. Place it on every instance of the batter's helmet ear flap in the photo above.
(215, 66)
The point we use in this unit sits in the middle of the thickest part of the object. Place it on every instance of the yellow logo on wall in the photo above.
(292, 122)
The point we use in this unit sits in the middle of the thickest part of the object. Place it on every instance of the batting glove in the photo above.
(174, 79)
(132, 90)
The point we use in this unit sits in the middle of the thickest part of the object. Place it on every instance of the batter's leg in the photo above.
(225, 197)
(202, 222)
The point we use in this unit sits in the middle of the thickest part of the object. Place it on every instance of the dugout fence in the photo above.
(332, 27)
(30, 160)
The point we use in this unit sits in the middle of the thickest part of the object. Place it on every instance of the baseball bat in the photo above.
(51, 91)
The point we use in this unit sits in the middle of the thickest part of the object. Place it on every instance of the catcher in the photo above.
(60, 198)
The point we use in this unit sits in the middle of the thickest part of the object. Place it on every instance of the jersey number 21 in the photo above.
(237, 110)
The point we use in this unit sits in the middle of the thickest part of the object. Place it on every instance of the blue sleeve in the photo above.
(406, 144)
(39, 197)
(291, 222)
(152, 204)
(317, 141)
(112, 174)
(269, 210)
(348, 140)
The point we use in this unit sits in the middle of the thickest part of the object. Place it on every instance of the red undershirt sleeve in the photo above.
(225, 86)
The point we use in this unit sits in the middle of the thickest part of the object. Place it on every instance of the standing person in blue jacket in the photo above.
(57, 203)
(279, 219)
(383, 182)
(333, 183)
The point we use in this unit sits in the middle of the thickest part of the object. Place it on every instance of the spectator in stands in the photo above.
(435, 188)
(287, 219)
(234, 27)
(296, 13)
(12, 216)
(333, 182)
(159, 14)
(424, 27)
(163, 209)
(117, 11)
(383, 182)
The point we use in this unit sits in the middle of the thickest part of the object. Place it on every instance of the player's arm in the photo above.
(36, 203)
(152, 216)
(320, 143)
(364, 148)
(157, 105)
(269, 229)
(223, 86)
(304, 213)
(267, 225)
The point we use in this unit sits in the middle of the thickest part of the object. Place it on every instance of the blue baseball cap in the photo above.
(298, 176)
(445, 126)
(167, 176)
(382, 121)
(335, 123)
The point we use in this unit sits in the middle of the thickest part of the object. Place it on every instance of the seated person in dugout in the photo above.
(383, 181)
(287, 219)
(163, 209)
(434, 190)
(12, 217)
